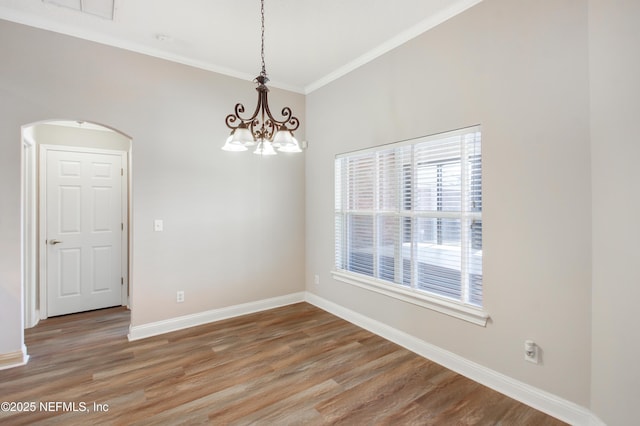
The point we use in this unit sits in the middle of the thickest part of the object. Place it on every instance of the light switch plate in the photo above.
(158, 226)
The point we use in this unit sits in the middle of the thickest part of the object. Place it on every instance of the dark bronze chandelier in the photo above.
(261, 127)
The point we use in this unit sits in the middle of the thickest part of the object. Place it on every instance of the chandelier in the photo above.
(261, 128)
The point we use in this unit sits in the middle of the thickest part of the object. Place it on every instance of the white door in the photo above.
(83, 230)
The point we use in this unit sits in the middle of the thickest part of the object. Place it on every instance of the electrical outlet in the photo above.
(316, 279)
(180, 296)
(531, 351)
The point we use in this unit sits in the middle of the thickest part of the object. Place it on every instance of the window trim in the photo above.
(445, 306)
(441, 304)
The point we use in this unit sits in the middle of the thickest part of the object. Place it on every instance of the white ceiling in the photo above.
(308, 43)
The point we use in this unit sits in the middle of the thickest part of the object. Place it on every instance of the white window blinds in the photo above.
(410, 215)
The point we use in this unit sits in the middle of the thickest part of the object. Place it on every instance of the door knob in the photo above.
(54, 242)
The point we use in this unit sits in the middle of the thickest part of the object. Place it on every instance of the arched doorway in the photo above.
(66, 136)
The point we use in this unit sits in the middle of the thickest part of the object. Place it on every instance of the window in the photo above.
(408, 220)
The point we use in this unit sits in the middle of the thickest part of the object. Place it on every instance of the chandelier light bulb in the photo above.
(242, 136)
(294, 147)
(265, 148)
(228, 146)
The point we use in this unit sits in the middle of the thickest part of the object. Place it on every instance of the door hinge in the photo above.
(121, 280)
(121, 172)
(122, 226)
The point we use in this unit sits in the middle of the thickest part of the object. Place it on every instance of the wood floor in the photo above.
(294, 365)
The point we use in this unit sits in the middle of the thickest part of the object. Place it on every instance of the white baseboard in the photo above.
(173, 324)
(539, 399)
(14, 359)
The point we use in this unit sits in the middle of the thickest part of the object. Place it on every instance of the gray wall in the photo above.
(615, 110)
(233, 224)
(520, 69)
(555, 87)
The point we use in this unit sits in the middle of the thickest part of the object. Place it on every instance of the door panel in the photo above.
(102, 274)
(84, 234)
(70, 272)
(69, 203)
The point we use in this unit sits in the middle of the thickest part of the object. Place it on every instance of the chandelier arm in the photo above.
(286, 113)
(252, 127)
(252, 119)
(268, 126)
(239, 109)
(289, 118)
(232, 118)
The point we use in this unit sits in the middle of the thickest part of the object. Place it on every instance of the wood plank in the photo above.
(291, 365)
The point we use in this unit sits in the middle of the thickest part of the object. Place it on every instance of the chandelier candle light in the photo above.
(262, 128)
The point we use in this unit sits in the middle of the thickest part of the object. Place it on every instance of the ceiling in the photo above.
(308, 43)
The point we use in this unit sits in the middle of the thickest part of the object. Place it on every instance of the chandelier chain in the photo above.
(264, 69)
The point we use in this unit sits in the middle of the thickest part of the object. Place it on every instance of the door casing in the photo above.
(42, 219)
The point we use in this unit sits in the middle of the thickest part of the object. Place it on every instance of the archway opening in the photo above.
(64, 135)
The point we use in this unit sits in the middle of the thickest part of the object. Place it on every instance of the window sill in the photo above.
(447, 307)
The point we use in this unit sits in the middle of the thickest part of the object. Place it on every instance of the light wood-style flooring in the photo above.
(294, 365)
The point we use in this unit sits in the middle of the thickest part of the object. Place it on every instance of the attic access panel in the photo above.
(102, 8)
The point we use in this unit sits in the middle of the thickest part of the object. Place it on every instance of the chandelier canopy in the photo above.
(262, 128)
